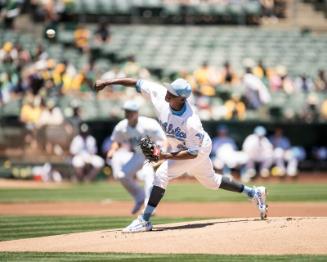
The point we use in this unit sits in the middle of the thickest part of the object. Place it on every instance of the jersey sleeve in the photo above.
(117, 135)
(151, 90)
(194, 138)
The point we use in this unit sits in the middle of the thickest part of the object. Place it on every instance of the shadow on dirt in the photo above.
(201, 225)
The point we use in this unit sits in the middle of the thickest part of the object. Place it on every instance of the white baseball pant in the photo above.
(200, 167)
(125, 166)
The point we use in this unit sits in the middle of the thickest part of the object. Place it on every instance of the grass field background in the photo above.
(188, 191)
(17, 227)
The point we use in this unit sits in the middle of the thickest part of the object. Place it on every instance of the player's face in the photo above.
(132, 117)
(175, 102)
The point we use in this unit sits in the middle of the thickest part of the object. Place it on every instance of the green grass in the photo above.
(17, 227)
(31, 256)
(190, 191)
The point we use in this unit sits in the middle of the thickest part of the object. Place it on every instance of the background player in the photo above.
(127, 160)
(189, 146)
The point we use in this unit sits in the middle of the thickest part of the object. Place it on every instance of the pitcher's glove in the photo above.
(150, 150)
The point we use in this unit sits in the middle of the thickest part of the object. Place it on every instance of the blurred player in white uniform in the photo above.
(188, 149)
(85, 161)
(126, 158)
(259, 151)
(225, 155)
(284, 154)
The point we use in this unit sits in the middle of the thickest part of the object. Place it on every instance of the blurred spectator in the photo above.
(284, 156)
(267, 7)
(39, 53)
(31, 111)
(8, 53)
(321, 81)
(49, 125)
(74, 116)
(9, 12)
(311, 109)
(235, 108)
(227, 76)
(304, 84)
(102, 33)
(260, 70)
(206, 78)
(85, 161)
(29, 115)
(287, 85)
(323, 110)
(51, 115)
(256, 92)
(224, 152)
(132, 69)
(259, 151)
(81, 38)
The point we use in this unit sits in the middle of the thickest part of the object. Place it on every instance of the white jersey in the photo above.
(183, 129)
(129, 136)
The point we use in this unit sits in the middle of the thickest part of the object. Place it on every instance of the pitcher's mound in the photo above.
(222, 236)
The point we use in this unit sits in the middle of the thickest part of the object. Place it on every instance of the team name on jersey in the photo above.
(171, 131)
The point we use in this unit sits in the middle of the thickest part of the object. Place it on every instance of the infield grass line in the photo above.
(17, 227)
(178, 192)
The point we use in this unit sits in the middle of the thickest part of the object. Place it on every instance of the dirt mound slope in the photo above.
(278, 235)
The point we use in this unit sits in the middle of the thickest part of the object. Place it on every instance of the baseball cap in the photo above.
(260, 131)
(180, 87)
(131, 106)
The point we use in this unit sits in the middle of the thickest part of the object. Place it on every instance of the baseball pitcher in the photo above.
(189, 146)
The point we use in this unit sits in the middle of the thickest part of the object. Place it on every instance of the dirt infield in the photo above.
(166, 209)
(223, 236)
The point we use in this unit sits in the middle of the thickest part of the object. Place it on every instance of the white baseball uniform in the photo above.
(184, 131)
(84, 152)
(129, 160)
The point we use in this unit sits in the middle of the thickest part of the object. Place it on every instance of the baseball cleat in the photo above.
(260, 194)
(138, 225)
(137, 207)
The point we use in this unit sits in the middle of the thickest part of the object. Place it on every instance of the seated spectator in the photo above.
(287, 85)
(132, 69)
(52, 115)
(81, 38)
(8, 52)
(224, 152)
(256, 92)
(311, 109)
(50, 123)
(102, 33)
(85, 161)
(323, 110)
(304, 84)
(31, 111)
(284, 155)
(260, 70)
(227, 75)
(206, 79)
(259, 151)
(321, 81)
(235, 108)
(29, 115)
(11, 10)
